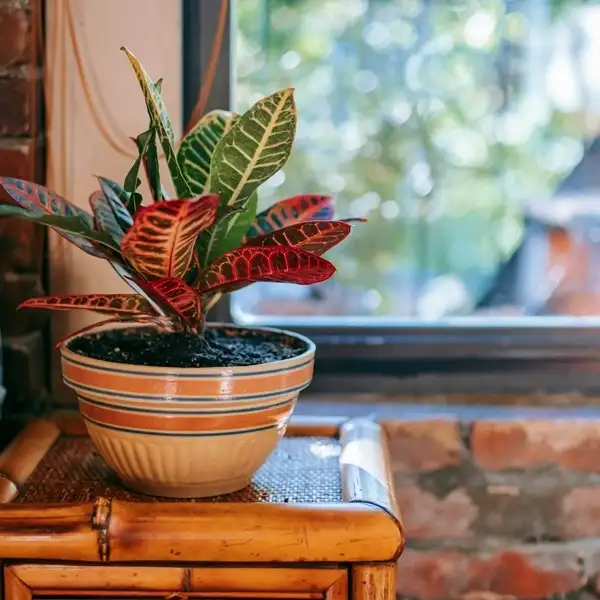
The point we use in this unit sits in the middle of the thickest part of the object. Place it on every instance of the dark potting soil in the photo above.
(178, 349)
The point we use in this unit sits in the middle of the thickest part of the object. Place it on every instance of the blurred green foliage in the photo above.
(431, 118)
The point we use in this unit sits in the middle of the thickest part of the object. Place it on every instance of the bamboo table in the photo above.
(319, 521)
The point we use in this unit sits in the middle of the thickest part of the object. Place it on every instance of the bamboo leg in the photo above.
(374, 582)
(14, 588)
(339, 590)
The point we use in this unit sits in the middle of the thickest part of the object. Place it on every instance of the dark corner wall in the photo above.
(22, 244)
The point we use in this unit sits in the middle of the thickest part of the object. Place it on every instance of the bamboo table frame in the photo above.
(118, 548)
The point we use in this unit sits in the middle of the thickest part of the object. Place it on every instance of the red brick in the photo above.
(14, 106)
(520, 512)
(426, 516)
(433, 575)
(16, 4)
(525, 572)
(536, 572)
(565, 443)
(21, 245)
(15, 158)
(14, 289)
(485, 596)
(580, 513)
(15, 36)
(15, 161)
(424, 445)
(24, 370)
(21, 242)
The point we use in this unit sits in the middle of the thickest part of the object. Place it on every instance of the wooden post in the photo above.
(374, 581)
(14, 588)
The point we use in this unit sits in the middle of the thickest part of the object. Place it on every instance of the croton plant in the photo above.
(180, 255)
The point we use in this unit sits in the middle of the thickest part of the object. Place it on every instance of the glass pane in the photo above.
(465, 131)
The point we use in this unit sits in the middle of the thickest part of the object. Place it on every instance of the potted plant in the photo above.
(176, 408)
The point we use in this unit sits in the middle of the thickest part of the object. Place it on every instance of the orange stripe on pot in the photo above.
(183, 404)
(182, 423)
(173, 386)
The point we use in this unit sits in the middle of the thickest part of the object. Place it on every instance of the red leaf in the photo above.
(264, 263)
(39, 200)
(116, 304)
(161, 241)
(290, 211)
(175, 296)
(316, 237)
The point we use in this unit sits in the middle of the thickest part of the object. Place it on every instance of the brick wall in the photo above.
(21, 243)
(499, 502)
(502, 506)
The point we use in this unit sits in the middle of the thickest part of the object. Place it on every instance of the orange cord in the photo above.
(63, 115)
(113, 142)
(59, 53)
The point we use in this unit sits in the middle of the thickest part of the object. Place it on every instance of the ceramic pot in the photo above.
(188, 432)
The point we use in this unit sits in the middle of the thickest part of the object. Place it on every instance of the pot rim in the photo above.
(68, 354)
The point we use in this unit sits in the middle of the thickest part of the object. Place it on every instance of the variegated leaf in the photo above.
(197, 147)
(96, 243)
(152, 169)
(129, 278)
(116, 304)
(255, 148)
(132, 180)
(176, 298)
(160, 120)
(316, 237)
(304, 207)
(226, 233)
(38, 199)
(40, 204)
(270, 263)
(104, 217)
(161, 241)
(117, 198)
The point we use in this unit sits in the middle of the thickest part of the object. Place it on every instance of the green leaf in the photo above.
(197, 148)
(135, 201)
(160, 120)
(104, 217)
(152, 169)
(237, 227)
(70, 225)
(132, 180)
(210, 243)
(255, 148)
(118, 199)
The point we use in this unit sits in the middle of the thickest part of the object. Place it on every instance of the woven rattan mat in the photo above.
(301, 470)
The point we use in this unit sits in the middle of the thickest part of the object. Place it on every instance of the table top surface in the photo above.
(327, 489)
(301, 470)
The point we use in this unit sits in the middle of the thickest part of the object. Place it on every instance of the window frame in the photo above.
(467, 354)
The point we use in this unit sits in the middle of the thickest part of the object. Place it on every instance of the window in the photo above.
(468, 133)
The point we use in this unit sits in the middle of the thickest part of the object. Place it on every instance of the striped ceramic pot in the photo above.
(183, 432)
